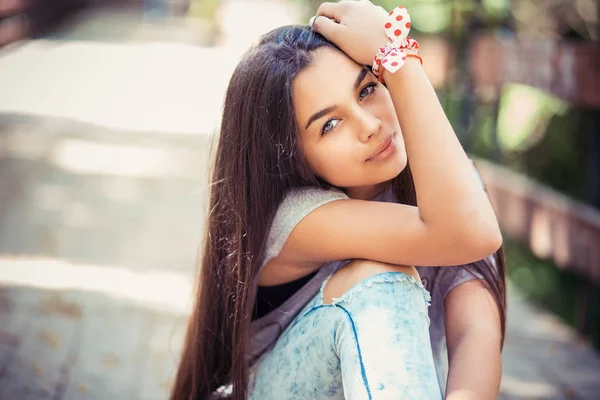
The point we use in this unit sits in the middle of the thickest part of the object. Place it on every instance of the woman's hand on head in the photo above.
(356, 27)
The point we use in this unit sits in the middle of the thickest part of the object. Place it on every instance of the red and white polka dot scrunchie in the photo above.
(394, 54)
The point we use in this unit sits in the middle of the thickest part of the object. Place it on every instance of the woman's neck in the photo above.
(367, 192)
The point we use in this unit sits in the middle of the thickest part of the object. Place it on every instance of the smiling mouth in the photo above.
(383, 148)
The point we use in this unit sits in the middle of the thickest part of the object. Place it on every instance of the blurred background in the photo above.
(108, 111)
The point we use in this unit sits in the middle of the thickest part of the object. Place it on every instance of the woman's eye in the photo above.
(330, 125)
(367, 90)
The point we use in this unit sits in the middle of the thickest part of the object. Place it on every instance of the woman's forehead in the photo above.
(328, 67)
(328, 79)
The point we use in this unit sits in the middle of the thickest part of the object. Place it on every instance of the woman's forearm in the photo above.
(475, 366)
(448, 190)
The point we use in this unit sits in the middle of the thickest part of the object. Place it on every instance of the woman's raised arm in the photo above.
(454, 222)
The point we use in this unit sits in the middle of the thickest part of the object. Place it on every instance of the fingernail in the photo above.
(312, 21)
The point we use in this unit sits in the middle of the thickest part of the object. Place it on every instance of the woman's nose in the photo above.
(369, 125)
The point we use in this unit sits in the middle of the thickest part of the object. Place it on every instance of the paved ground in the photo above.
(103, 153)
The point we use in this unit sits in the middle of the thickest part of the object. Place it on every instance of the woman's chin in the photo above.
(398, 164)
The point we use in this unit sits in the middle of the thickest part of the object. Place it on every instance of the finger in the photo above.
(326, 27)
(330, 10)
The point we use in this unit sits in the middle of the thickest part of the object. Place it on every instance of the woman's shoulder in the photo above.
(312, 195)
(301, 201)
(297, 204)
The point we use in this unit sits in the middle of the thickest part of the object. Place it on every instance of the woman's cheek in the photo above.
(334, 167)
(385, 103)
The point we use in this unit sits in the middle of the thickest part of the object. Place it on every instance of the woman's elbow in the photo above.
(485, 237)
(474, 239)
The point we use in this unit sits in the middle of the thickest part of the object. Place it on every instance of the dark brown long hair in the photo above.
(258, 159)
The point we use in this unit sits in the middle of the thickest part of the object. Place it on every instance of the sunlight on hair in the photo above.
(168, 291)
(88, 157)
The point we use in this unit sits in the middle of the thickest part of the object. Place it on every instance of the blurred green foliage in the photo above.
(204, 9)
(563, 292)
(439, 16)
(524, 115)
(535, 134)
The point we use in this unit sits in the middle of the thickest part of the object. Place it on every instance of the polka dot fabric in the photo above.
(393, 55)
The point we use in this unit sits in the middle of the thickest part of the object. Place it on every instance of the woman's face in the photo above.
(349, 129)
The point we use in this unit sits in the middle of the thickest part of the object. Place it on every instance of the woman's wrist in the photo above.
(410, 67)
(400, 47)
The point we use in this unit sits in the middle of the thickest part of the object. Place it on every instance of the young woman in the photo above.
(308, 287)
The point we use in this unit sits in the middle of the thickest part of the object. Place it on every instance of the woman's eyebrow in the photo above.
(361, 76)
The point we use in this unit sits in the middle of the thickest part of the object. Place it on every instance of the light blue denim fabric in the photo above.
(371, 343)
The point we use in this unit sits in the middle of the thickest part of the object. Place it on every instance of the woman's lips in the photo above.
(387, 147)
